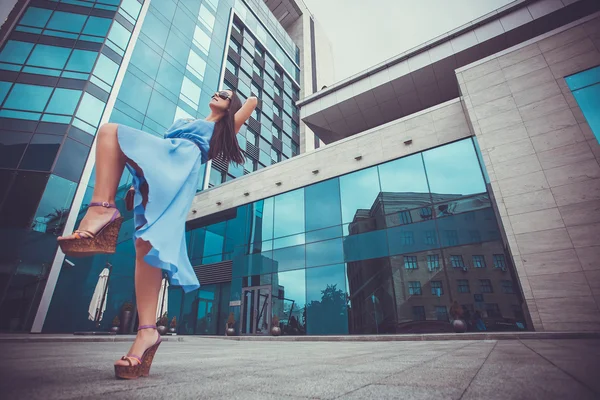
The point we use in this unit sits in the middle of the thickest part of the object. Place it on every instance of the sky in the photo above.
(364, 33)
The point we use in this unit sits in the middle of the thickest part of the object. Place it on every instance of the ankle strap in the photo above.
(104, 204)
(146, 327)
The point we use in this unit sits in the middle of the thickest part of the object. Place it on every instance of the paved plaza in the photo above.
(202, 368)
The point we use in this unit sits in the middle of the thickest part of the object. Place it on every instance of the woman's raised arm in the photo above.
(245, 112)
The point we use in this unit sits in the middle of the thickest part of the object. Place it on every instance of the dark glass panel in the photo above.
(371, 295)
(323, 205)
(22, 200)
(12, 147)
(53, 209)
(326, 300)
(71, 160)
(41, 152)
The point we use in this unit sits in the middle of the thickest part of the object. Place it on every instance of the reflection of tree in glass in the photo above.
(329, 313)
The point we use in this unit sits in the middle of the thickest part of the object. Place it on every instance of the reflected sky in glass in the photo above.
(289, 213)
(358, 191)
(454, 169)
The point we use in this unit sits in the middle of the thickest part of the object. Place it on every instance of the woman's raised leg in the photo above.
(110, 162)
(147, 287)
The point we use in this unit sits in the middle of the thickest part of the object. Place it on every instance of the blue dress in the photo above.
(171, 167)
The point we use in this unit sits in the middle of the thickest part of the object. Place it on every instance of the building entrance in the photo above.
(256, 310)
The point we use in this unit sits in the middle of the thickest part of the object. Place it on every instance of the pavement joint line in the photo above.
(378, 382)
(478, 370)
(561, 369)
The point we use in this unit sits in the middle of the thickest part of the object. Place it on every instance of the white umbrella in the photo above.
(163, 296)
(97, 296)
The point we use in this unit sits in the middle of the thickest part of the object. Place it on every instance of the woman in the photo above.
(165, 177)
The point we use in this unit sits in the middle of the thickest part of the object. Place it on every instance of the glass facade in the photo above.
(386, 249)
(585, 86)
(252, 69)
(57, 69)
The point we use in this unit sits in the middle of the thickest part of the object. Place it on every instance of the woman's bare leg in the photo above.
(147, 287)
(110, 162)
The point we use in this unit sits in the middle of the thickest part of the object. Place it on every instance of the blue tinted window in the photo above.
(155, 29)
(454, 170)
(106, 69)
(146, 59)
(323, 207)
(119, 35)
(405, 179)
(63, 101)
(36, 17)
(289, 258)
(160, 109)
(584, 78)
(28, 97)
(359, 192)
(324, 253)
(169, 77)
(54, 206)
(4, 88)
(90, 110)
(82, 60)
(64, 21)
(132, 7)
(16, 52)
(289, 213)
(135, 93)
(49, 56)
(588, 99)
(326, 304)
(183, 22)
(97, 26)
(177, 48)
(365, 246)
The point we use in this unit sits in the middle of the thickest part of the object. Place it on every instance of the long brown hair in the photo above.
(223, 143)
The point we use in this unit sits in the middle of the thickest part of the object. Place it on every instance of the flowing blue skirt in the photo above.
(171, 168)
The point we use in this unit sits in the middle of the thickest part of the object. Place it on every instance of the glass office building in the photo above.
(63, 62)
(386, 249)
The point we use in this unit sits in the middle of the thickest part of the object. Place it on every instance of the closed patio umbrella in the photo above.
(98, 302)
(163, 299)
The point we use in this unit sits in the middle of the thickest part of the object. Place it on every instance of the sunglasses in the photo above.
(223, 95)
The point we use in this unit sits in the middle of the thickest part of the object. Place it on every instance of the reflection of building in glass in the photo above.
(389, 295)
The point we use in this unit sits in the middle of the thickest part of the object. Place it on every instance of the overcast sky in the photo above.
(364, 33)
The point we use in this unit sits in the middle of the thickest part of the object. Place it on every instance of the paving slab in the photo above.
(223, 369)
